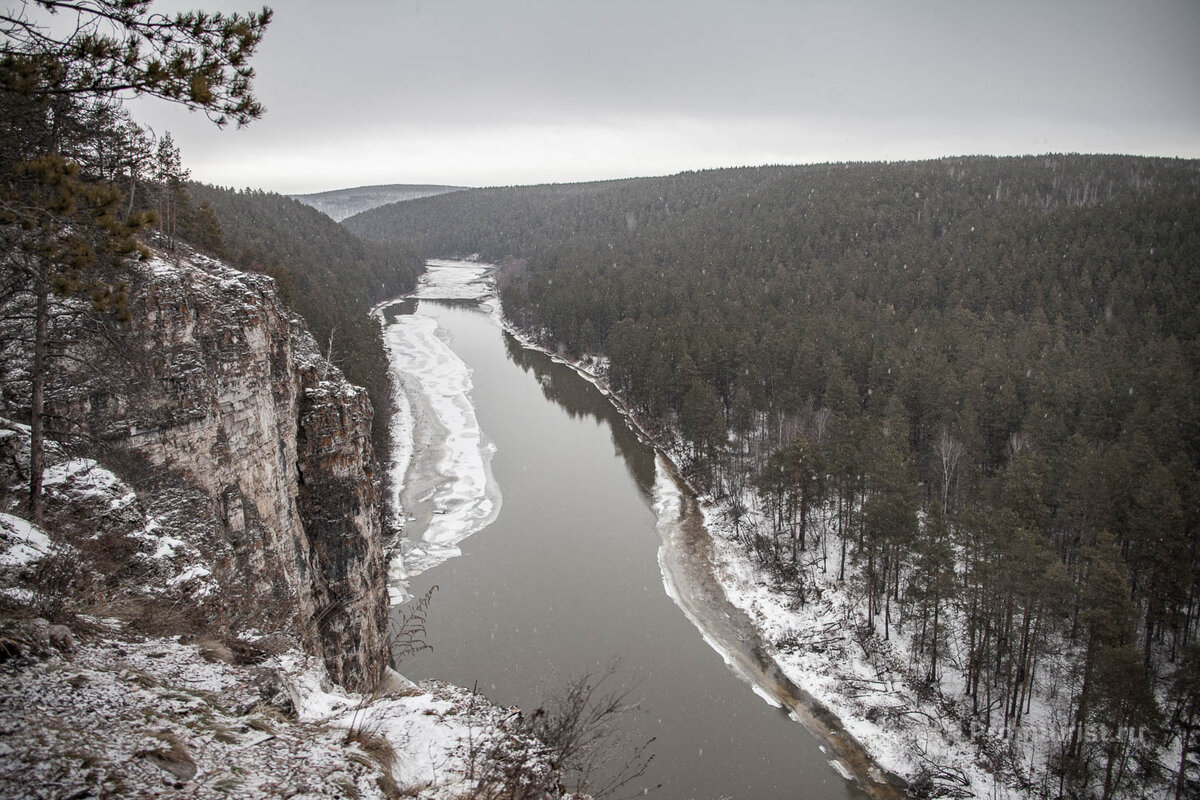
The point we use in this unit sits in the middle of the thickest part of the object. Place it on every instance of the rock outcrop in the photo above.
(215, 404)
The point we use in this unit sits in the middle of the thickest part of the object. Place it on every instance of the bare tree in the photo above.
(949, 453)
(578, 728)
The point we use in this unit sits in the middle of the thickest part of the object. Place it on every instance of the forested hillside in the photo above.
(976, 377)
(325, 274)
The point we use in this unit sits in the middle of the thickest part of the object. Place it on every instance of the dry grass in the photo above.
(226, 734)
(260, 724)
(214, 650)
(153, 618)
(349, 788)
(374, 751)
(265, 716)
(174, 758)
(142, 678)
(374, 745)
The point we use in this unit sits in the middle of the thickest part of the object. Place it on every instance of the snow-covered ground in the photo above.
(95, 708)
(436, 415)
(860, 680)
(111, 714)
(869, 683)
(815, 645)
(166, 563)
(21, 543)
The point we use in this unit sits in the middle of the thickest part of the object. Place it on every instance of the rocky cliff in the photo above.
(211, 514)
(246, 449)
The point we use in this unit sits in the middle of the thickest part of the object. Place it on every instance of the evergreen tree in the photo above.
(65, 223)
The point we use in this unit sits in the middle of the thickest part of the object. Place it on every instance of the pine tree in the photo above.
(170, 174)
(63, 225)
(1185, 713)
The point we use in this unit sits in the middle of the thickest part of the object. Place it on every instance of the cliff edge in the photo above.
(205, 606)
(254, 501)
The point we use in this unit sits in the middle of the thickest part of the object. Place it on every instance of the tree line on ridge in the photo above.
(970, 383)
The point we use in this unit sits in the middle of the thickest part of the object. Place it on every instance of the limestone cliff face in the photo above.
(252, 446)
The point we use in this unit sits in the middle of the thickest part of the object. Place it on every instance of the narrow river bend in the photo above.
(563, 576)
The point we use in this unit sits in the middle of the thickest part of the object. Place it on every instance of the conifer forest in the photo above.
(974, 379)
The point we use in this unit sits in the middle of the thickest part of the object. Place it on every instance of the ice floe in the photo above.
(434, 391)
(454, 280)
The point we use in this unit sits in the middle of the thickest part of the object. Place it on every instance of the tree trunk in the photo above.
(871, 589)
(1081, 715)
(1030, 665)
(1019, 676)
(1181, 781)
(843, 512)
(803, 521)
(842, 563)
(37, 397)
(933, 659)
(887, 597)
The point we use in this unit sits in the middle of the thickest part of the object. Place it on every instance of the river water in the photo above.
(563, 575)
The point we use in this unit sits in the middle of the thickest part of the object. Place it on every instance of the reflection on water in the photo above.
(562, 386)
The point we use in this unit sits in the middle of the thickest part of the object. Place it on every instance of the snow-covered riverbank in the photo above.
(698, 569)
(850, 690)
(695, 558)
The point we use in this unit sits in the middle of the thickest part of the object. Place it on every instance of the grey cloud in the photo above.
(402, 69)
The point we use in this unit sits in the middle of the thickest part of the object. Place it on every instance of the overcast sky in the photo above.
(499, 92)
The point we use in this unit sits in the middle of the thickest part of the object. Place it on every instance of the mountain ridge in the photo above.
(340, 204)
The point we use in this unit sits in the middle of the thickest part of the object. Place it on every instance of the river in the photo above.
(571, 514)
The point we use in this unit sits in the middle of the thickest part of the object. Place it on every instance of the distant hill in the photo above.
(342, 203)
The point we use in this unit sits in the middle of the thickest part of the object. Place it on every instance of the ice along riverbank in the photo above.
(440, 465)
(752, 750)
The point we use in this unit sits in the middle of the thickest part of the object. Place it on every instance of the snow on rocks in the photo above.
(435, 730)
(241, 440)
(21, 543)
(83, 480)
(122, 715)
(106, 510)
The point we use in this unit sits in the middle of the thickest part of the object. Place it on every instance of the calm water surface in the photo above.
(566, 581)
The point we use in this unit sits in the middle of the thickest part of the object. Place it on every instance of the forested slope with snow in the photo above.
(945, 413)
